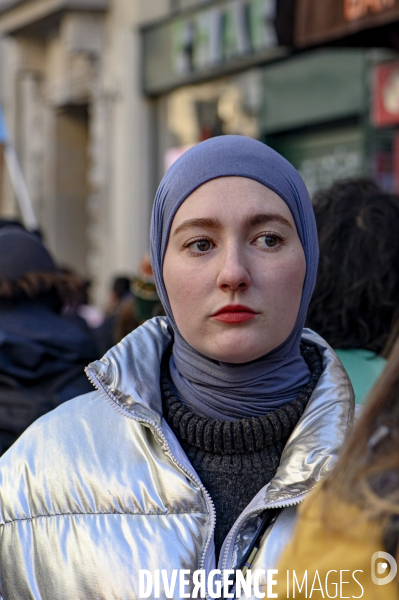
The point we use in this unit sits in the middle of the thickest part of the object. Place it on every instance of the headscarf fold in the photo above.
(211, 388)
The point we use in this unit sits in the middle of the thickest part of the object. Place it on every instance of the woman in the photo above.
(203, 422)
(355, 305)
(355, 513)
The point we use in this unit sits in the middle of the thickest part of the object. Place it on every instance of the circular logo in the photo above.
(380, 561)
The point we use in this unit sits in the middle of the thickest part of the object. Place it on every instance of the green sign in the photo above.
(221, 36)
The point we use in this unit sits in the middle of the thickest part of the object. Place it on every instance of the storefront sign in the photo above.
(222, 33)
(324, 20)
(216, 37)
(356, 9)
(386, 95)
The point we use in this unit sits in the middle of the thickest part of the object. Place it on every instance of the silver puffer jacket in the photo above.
(100, 488)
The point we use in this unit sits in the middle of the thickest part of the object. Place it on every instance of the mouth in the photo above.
(234, 313)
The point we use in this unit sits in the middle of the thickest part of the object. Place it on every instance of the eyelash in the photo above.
(281, 240)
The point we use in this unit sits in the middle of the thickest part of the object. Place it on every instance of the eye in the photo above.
(202, 245)
(268, 241)
(199, 246)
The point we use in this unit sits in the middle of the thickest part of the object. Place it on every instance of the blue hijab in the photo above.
(221, 390)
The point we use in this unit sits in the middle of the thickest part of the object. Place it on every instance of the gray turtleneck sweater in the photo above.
(235, 459)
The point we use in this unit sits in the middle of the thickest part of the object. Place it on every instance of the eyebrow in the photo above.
(210, 223)
(205, 223)
(266, 218)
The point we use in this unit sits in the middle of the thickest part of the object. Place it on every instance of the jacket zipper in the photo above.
(233, 532)
(209, 502)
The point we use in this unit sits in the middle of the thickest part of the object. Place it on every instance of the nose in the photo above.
(233, 272)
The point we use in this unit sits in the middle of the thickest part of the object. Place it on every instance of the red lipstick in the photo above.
(234, 313)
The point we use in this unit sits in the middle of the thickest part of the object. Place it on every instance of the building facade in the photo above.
(82, 129)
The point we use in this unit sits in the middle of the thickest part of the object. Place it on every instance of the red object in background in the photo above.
(386, 95)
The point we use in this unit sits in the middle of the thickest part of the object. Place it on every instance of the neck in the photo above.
(230, 392)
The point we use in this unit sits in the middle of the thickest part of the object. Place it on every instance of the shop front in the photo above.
(204, 67)
(229, 68)
(315, 113)
(358, 24)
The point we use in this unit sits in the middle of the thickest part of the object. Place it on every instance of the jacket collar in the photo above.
(130, 372)
(314, 445)
(130, 375)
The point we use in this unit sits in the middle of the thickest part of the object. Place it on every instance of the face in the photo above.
(234, 270)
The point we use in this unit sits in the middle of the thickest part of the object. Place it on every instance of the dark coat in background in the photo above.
(42, 360)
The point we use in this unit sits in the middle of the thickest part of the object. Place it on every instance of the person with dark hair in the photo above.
(108, 333)
(145, 297)
(120, 288)
(207, 426)
(42, 353)
(355, 305)
(143, 304)
(354, 513)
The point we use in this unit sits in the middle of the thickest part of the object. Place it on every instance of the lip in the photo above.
(234, 313)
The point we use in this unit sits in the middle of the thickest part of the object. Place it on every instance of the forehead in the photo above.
(231, 198)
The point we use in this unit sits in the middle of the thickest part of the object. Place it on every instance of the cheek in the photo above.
(172, 283)
(293, 283)
(284, 283)
(185, 289)
(295, 275)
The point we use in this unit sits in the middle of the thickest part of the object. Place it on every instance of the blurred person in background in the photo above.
(80, 307)
(119, 292)
(355, 512)
(355, 305)
(42, 352)
(107, 334)
(143, 304)
(148, 304)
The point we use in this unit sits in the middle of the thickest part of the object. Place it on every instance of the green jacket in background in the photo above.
(364, 368)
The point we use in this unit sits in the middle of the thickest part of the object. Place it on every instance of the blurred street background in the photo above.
(99, 97)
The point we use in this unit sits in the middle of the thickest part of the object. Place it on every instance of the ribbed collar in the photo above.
(242, 435)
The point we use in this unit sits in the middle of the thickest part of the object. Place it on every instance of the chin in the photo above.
(237, 352)
(239, 359)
